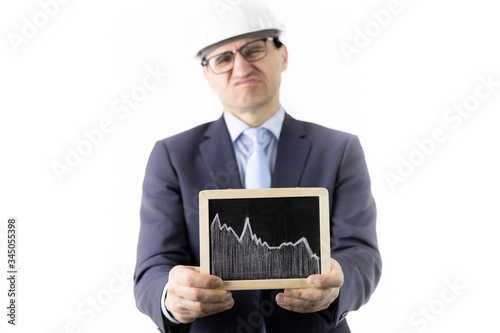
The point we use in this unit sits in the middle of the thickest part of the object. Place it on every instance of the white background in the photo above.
(438, 227)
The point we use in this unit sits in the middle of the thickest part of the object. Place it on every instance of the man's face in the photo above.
(249, 86)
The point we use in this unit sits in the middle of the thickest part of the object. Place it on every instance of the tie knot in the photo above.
(259, 136)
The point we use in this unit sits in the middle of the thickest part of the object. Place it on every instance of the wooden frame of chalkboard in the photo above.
(264, 238)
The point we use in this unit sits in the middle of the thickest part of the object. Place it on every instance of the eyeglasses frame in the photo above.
(277, 43)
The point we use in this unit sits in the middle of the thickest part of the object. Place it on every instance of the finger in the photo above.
(206, 309)
(309, 294)
(334, 279)
(325, 281)
(294, 304)
(303, 305)
(187, 311)
(199, 294)
(191, 277)
(187, 316)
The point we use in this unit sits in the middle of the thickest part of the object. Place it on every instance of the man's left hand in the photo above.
(325, 289)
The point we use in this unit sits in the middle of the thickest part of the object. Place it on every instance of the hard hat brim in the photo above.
(255, 34)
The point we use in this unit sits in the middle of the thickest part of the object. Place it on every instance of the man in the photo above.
(243, 60)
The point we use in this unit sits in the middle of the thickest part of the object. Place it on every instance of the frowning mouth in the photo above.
(247, 82)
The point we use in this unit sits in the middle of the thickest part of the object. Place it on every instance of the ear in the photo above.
(207, 76)
(284, 55)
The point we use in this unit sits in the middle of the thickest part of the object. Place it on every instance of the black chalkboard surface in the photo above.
(265, 238)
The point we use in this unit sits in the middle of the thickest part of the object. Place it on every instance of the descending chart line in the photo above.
(246, 256)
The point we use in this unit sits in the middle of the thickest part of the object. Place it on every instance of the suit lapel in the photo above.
(293, 151)
(218, 153)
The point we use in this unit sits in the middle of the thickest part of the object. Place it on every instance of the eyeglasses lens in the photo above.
(252, 51)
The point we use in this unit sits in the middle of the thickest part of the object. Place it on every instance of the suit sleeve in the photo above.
(162, 237)
(353, 232)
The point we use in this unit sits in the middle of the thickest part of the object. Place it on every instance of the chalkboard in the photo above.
(265, 238)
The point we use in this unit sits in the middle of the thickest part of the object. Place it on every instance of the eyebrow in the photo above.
(230, 50)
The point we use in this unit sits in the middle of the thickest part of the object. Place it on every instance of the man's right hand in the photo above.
(192, 295)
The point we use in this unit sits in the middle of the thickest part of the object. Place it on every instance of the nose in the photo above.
(241, 67)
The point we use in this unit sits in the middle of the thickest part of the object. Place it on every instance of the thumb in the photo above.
(332, 279)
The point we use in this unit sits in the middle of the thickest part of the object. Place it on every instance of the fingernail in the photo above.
(227, 296)
(288, 293)
(311, 280)
(280, 299)
(230, 304)
(217, 284)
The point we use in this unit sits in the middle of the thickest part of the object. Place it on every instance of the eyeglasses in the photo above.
(224, 62)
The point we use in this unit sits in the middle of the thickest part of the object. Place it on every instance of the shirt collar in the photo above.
(236, 126)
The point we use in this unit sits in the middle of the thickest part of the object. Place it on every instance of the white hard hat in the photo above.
(224, 21)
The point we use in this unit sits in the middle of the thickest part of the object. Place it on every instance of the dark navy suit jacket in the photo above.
(309, 155)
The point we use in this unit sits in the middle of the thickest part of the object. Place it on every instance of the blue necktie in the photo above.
(257, 173)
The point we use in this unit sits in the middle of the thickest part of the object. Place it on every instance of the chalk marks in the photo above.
(247, 257)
